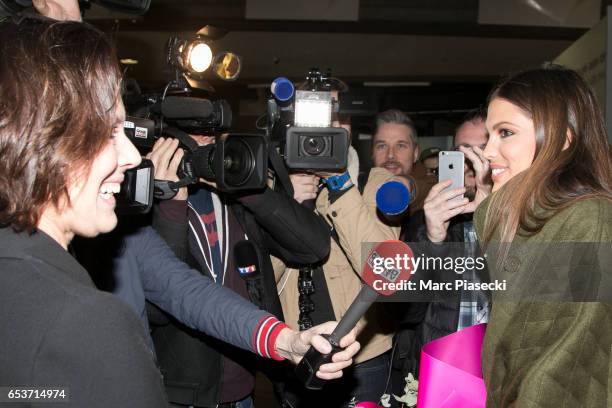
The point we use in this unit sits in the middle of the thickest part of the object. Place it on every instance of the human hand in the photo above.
(61, 10)
(166, 157)
(305, 186)
(482, 172)
(293, 345)
(440, 207)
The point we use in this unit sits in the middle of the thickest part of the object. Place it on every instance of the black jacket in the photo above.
(57, 330)
(439, 318)
(277, 225)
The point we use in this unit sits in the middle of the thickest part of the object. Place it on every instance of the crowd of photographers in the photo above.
(176, 272)
(225, 284)
(309, 241)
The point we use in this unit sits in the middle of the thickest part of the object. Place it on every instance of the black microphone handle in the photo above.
(306, 370)
(358, 308)
(254, 291)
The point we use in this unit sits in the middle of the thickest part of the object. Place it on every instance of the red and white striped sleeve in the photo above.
(264, 336)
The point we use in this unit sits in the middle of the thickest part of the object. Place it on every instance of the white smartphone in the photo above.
(450, 167)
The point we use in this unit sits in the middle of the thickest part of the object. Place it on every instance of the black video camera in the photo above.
(301, 122)
(235, 162)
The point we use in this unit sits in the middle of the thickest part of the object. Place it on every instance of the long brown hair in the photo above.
(558, 101)
(59, 84)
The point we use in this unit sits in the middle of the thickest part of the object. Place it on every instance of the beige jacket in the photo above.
(354, 218)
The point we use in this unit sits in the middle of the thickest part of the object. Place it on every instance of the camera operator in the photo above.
(202, 226)
(353, 219)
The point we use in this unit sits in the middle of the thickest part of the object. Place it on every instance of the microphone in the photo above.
(393, 198)
(246, 259)
(186, 107)
(282, 89)
(379, 280)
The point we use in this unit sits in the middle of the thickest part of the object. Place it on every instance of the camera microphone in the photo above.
(282, 89)
(186, 107)
(393, 198)
(383, 283)
(246, 259)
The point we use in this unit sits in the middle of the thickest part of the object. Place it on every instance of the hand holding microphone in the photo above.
(375, 284)
(291, 344)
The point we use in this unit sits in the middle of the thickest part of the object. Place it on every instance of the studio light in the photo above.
(191, 56)
(198, 57)
(313, 109)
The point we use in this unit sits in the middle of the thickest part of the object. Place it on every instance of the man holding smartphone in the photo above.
(441, 204)
(447, 218)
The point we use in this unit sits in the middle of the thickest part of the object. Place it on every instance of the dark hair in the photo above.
(398, 117)
(475, 115)
(59, 84)
(559, 102)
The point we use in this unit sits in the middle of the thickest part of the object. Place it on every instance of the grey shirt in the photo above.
(57, 330)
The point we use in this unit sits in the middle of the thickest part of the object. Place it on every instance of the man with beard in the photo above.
(395, 148)
(443, 221)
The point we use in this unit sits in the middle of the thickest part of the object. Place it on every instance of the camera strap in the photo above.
(183, 137)
(314, 301)
(166, 189)
(280, 169)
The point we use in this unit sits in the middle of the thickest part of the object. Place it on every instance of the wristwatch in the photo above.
(337, 182)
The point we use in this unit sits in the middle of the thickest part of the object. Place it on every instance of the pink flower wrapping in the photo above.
(450, 374)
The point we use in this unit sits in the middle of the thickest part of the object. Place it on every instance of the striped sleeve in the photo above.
(264, 337)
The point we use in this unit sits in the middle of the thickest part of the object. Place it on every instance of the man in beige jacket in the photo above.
(353, 220)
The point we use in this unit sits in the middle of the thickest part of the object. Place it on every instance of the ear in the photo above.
(568, 139)
(417, 151)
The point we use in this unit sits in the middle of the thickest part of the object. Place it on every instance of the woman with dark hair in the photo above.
(63, 155)
(552, 176)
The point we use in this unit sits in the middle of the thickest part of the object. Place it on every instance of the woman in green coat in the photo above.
(552, 184)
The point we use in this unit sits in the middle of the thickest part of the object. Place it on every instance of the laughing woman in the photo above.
(62, 154)
(552, 178)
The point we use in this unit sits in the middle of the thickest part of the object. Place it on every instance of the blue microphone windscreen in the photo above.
(392, 198)
(282, 89)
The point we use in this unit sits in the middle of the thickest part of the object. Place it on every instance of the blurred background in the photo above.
(434, 59)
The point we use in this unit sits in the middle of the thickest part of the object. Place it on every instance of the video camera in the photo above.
(235, 161)
(300, 121)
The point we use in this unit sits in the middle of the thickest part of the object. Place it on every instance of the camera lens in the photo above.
(238, 162)
(200, 162)
(314, 145)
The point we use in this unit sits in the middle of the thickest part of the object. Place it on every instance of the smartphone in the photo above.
(450, 167)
